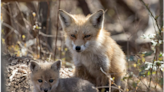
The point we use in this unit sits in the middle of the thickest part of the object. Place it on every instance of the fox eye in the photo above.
(39, 80)
(73, 36)
(51, 80)
(86, 36)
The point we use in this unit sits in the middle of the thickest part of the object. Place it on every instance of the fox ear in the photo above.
(56, 66)
(97, 19)
(34, 66)
(65, 18)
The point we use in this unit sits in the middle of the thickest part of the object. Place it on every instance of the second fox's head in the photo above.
(45, 76)
(81, 32)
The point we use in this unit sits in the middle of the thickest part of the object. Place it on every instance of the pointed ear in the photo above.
(65, 18)
(97, 19)
(56, 66)
(34, 66)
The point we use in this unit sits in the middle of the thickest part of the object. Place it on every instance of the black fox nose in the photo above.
(45, 90)
(78, 48)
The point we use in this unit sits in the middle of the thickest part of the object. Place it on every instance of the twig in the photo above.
(16, 21)
(156, 78)
(45, 35)
(142, 82)
(13, 23)
(103, 71)
(109, 76)
(12, 29)
(155, 18)
(24, 21)
(151, 73)
(157, 46)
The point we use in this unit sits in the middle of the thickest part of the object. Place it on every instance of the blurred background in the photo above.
(31, 29)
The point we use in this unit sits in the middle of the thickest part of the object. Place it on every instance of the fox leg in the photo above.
(118, 80)
(104, 80)
(118, 83)
(82, 72)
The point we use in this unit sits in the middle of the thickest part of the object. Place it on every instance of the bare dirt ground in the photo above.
(17, 74)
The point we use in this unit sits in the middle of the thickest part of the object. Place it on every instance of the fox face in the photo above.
(45, 77)
(81, 32)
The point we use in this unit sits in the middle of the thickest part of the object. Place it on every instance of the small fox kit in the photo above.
(45, 78)
(92, 48)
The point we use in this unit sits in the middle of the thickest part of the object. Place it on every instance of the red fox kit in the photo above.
(45, 78)
(92, 48)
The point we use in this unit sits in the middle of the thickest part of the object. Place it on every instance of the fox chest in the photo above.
(93, 62)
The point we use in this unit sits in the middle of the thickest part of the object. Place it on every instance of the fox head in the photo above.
(81, 32)
(45, 75)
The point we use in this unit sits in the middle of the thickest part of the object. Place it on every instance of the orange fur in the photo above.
(98, 50)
